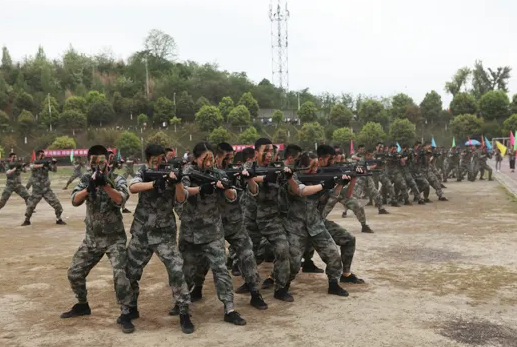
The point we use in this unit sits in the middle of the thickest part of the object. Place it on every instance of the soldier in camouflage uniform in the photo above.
(484, 155)
(451, 163)
(202, 232)
(129, 168)
(394, 171)
(78, 171)
(14, 182)
(408, 176)
(105, 234)
(29, 182)
(154, 232)
(113, 165)
(42, 190)
(382, 177)
(235, 234)
(425, 156)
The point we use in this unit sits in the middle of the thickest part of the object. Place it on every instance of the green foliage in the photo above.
(466, 125)
(128, 143)
(312, 132)
(463, 103)
(24, 101)
(370, 134)
(100, 112)
(175, 121)
(202, 101)
(142, 119)
(2, 152)
(163, 111)
(122, 106)
(45, 140)
(329, 131)
(281, 136)
(108, 137)
(226, 106)
(75, 103)
(372, 111)
(413, 113)
(159, 138)
(185, 107)
(8, 141)
(431, 106)
(484, 81)
(72, 120)
(277, 117)
(308, 112)
(4, 120)
(343, 135)
(45, 117)
(219, 135)
(26, 122)
(249, 136)
(7, 62)
(94, 96)
(459, 80)
(63, 142)
(340, 115)
(403, 131)
(240, 116)
(510, 124)
(513, 106)
(250, 103)
(494, 105)
(208, 118)
(398, 105)
(491, 129)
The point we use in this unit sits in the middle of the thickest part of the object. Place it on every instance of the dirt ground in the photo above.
(444, 274)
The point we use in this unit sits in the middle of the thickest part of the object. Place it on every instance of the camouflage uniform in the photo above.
(366, 185)
(395, 174)
(410, 181)
(202, 239)
(129, 169)
(451, 164)
(41, 189)
(483, 165)
(429, 174)
(416, 169)
(104, 235)
(387, 188)
(13, 185)
(78, 167)
(29, 182)
(154, 232)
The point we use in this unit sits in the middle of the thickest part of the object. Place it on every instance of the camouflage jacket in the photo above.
(103, 217)
(231, 211)
(40, 177)
(15, 177)
(266, 200)
(201, 220)
(78, 168)
(154, 215)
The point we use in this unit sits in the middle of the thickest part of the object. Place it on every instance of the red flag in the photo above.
(482, 142)
(351, 147)
(470, 142)
(33, 157)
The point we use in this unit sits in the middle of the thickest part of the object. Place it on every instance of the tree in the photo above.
(403, 131)
(72, 120)
(281, 136)
(163, 111)
(202, 101)
(413, 113)
(208, 118)
(26, 122)
(372, 111)
(159, 138)
(7, 62)
(513, 106)
(491, 129)
(459, 80)
(431, 106)
(185, 107)
(466, 125)
(463, 103)
(49, 118)
(160, 45)
(175, 121)
(370, 134)
(510, 124)
(4, 120)
(312, 132)
(308, 112)
(249, 136)
(494, 105)
(100, 112)
(122, 106)
(94, 96)
(226, 106)
(8, 142)
(63, 142)
(485, 81)
(277, 117)
(142, 120)
(75, 103)
(398, 105)
(24, 101)
(219, 135)
(250, 103)
(240, 116)
(343, 135)
(128, 143)
(340, 115)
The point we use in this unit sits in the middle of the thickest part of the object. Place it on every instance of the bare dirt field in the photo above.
(444, 274)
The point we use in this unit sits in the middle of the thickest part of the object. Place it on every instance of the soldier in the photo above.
(201, 229)
(113, 165)
(408, 176)
(105, 234)
(29, 182)
(483, 165)
(14, 182)
(383, 178)
(153, 231)
(424, 159)
(394, 169)
(78, 171)
(129, 168)
(41, 189)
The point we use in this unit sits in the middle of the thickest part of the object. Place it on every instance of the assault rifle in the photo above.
(162, 172)
(18, 166)
(46, 162)
(211, 177)
(331, 172)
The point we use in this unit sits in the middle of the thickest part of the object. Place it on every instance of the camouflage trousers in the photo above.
(72, 178)
(140, 252)
(463, 169)
(43, 193)
(450, 167)
(484, 166)
(387, 188)
(29, 183)
(411, 183)
(129, 172)
(366, 185)
(353, 204)
(433, 182)
(422, 183)
(400, 186)
(436, 172)
(215, 254)
(273, 230)
(343, 239)
(87, 256)
(11, 188)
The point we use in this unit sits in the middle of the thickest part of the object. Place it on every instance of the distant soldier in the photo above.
(104, 193)
(78, 171)
(14, 182)
(41, 188)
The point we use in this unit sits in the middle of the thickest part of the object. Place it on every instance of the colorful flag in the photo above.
(482, 142)
(33, 157)
(433, 143)
(515, 142)
(453, 141)
(398, 148)
(488, 144)
(351, 146)
(470, 142)
(512, 139)
(72, 156)
(502, 148)
(118, 155)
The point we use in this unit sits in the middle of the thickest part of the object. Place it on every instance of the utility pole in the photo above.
(279, 16)
(146, 78)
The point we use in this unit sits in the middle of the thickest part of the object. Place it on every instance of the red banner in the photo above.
(56, 153)
(238, 148)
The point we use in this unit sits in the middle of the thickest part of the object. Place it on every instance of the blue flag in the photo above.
(398, 148)
(433, 144)
(488, 144)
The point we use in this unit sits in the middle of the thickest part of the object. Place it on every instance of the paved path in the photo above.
(505, 176)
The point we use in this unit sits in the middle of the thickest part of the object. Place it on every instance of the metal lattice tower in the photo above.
(279, 15)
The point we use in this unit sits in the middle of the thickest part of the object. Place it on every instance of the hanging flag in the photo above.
(33, 157)
(502, 148)
(433, 143)
(512, 139)
(351, 147)
(398, 148)
(72, 156)
(515, 142)
(470, 142)
(118, 155)
(488, 144)
(482, 142)
(453, 141)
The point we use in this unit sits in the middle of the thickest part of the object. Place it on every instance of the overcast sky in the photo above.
(378, 47)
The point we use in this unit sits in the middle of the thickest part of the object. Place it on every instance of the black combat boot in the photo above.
(343, 215)
(308, 266)
(186, 324)
(335, 289)
(78, 310)
(257, 301)
(235, 318)
(443, 198)
(125, 210)
(133, 314)
(197, 294)
(421, 202)
(370, 203)
(268, 283)
(407, 203)
(175, 310)
(395, 204)
(366, 229)
(282, 294)
(26, 222)
(352, 278)
(125, 323)
(383, 211)
(235, 270)
(243, 289)
(60, 222)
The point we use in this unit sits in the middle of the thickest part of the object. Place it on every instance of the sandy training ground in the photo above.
(444, 274)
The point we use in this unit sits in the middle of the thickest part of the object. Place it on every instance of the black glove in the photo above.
(271, 177)
(100, 180)
(179, 176)
(206, 189)
(288, 174)
(248, 175)
(91, 186)
(329, 184)
(159, 184)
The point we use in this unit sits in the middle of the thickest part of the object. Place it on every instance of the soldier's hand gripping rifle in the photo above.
(46, 162)
(332, 175)
(211, 177)
(162, 176)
